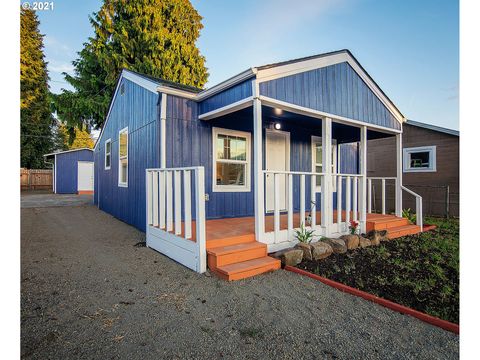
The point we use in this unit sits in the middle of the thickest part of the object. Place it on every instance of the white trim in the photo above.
(321, 114)
(231, 188)
(245, 75)
(238, 105)
(120, 183)
(328, 60)
(67, 151)
(433, 127)
(176, 92)
(163, 131)
(105, 154)
(432, 150)
(318, 139)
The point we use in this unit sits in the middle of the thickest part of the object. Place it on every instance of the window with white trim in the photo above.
(317, 160)
(123, 157)
(108, 154)
(420, 159)
(231, 160)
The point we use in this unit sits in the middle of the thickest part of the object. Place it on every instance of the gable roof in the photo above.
(433, 127)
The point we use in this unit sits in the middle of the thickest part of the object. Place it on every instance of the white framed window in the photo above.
(123, 157)
(108, 154)
(317, 165)
(420, 159)
(231, 160)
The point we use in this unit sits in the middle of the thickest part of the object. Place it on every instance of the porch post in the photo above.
(363, 182)
(258, 169)
(398, 183)
(163, 131)
(326, 195)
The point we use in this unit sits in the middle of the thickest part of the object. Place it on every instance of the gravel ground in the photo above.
(88, 292)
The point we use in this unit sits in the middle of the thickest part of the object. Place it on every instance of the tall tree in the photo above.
(35, 112)
(154, 37)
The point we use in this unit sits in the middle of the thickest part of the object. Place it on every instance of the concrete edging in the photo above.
(446, 325)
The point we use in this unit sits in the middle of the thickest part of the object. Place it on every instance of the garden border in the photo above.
(446, 325)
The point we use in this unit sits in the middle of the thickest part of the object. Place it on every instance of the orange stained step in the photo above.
(399, 231)
(396, 226)
(249, 268)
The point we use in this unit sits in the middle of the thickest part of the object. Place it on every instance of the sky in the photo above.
(410, 48)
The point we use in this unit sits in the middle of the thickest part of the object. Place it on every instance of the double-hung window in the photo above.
(123, 157)
(420, 159)
(108, 154)
(317, 165)
(231, 160)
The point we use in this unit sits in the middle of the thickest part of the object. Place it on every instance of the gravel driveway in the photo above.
(89, 292)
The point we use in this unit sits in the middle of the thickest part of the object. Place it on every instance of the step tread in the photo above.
(243, 266)
(404, 227)
(233, 240)
(230, 249)
(386, 220)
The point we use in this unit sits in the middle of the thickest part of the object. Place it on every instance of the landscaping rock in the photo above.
(290, 257)
(338, 245)
(351, 240)
(307, 250)
(375, 236)
(364, 242)
(321, 250)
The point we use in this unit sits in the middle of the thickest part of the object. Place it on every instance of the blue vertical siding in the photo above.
(335, 89)
(238, 92)
(67, 170)
(137, 109)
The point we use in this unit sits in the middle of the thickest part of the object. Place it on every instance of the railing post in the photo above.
(187, 196)
(276, 206)
(369, 195)
(154, 195)
(419, 214)
(290, 207)
(200, 219)
(313, 200)
(339, 202)
(348, 199)
(302, 200)
(383, 197)
(355, 198)
(177, 202)
(169, 196)
(149, 197)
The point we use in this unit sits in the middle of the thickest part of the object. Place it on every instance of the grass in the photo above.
(420, 271)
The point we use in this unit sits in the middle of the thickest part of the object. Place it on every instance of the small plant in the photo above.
(303, 235)
(353, 227)
(409, 215)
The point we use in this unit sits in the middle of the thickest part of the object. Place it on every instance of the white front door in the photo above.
(277, 157)
(85, 176)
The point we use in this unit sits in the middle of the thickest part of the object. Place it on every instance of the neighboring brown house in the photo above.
(430, 166)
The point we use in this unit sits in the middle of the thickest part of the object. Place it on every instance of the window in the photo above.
(420, 159)
(317, 165)
(108, 154)
(231, 154)
(123, 157)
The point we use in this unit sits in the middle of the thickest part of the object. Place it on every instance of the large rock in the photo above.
(375, 236)
(290, 257)
(351, 240)
(338, 245)
(307, 250)
(364, 242)
(321, 250)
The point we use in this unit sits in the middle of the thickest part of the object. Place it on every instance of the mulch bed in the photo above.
(418, 271)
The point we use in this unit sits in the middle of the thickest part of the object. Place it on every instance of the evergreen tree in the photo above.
(154, 37)
(35, 116)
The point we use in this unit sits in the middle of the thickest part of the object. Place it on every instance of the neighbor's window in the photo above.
(231, 151)
(420, 159)
(123, 157)
(317, 165)
(108, 154)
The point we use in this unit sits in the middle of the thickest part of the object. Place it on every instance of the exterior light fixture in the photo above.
(277, 111)
(278, 126)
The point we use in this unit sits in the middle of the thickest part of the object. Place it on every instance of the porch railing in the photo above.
(176, 214)
(418, 206)
(347, 188)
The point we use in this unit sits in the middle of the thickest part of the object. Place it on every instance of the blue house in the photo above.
(225, 175)
(72, 171)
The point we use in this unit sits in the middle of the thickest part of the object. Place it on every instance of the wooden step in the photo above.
(249, 268)
(386, 223)
(399, 231)
(234, 240)
(231, 254)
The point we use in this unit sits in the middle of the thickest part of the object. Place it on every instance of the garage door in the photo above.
(85, 177)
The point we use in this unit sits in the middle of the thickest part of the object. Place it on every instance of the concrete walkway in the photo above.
(88, 292)
(41, 200)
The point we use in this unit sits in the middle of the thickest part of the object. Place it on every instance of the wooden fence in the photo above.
(36, 179)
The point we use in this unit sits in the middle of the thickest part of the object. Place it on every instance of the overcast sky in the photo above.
(409, 47)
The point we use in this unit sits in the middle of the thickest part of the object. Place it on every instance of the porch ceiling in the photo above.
(341, 132)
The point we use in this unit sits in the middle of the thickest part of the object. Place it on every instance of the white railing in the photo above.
(383, 197)
(170, 224)
(418, 206)
(331, 221)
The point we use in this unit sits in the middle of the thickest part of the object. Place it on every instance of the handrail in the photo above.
(382, 177)
(292, 172)
(418, 205)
